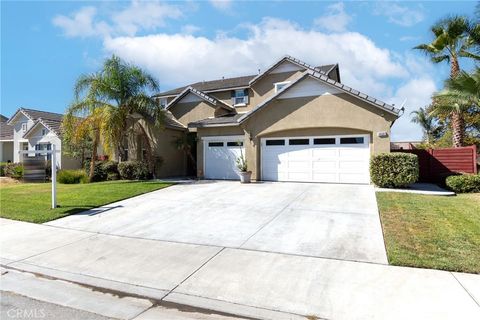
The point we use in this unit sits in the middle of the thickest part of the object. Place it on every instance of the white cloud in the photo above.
(138, 16)
(144, 15)
(190, 29)
(401, 15)
(418, 92)
(81, 24)
(335, 20)
(221, 4)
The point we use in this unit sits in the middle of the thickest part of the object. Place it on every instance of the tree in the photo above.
(122, 92)
(184, 143)
(461, 97)
(451, 41)
(429, 124)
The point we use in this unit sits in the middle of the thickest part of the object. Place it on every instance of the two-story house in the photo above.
(39, 130)
(293, 122)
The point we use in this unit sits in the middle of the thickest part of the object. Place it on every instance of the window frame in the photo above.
(244, 97)
(352, 143)
(44, 132)
(216, 144)
(24, 126)
(299, 140)
(275, 145)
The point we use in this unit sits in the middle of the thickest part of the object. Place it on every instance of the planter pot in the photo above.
(245, 176)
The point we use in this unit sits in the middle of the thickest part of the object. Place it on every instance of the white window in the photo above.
(280, 85)
(44, 132)
(24, 127)
(240, 97)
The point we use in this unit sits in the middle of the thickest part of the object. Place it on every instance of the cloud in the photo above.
(418, 92)
(81, 24)
(335, 20)
(401, 15)
(180, 58)
(221, 4)
(190, 29)
(144, 15)
(138, 16)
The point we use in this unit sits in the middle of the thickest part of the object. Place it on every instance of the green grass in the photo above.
(432, 231)
(31, 201)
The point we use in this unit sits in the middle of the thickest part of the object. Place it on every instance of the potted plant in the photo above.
(244, 174)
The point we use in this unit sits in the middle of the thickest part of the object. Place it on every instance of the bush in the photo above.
(112, 176)
(464, 183)
(72, 176)
(390, 170)
(99, 173)
(133, 170)
(14, 170)
(2, 169)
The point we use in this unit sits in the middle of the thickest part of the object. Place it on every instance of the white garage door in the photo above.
(338, 159)
(220, 154)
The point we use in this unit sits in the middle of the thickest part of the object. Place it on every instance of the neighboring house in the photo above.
(293, 122)
(6, 140)
(39, 130)
(404, 145)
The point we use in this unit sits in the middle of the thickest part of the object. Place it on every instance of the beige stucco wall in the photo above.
(161, 139)
(210, 132)
(192, 111)
(264, 87)
(323, 115)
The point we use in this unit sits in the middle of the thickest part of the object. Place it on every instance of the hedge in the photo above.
(72, 176)
(393, 170)
(133, 170)
(464, 183)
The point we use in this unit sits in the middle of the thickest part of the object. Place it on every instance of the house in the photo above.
(39, 130)
(6, 140)
(292, 122)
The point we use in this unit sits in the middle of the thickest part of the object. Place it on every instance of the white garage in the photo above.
(220, 154)
(336, 159)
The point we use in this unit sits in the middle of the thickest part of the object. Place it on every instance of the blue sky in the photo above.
(47, 45)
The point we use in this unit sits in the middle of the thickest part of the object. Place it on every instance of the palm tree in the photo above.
(428, 123)
(122, 91)
(461, 96)
(451, 41)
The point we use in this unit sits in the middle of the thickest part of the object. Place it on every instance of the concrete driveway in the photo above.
(318, 220)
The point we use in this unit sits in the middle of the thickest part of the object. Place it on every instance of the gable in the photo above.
(286, 66)
(308, 87)
(190, 97)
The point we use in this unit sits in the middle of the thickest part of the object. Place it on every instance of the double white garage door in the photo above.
(337, 159)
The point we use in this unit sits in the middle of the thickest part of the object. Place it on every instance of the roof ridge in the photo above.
(36, 110)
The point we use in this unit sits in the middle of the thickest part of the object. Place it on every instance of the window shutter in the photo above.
(37, 147)
(245, 93)
(49, 146)
(233, 97)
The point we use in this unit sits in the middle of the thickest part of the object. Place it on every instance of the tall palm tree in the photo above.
(123, 92)
(461, 96)
(451, 41)
(427, 122)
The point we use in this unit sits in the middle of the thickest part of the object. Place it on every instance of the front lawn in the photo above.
(432, 231)
(31, 201)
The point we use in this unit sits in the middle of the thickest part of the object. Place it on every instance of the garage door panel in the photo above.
(220, 159)
(322, 166)
(332, 162)
(324, 153)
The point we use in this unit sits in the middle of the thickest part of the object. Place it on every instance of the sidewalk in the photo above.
(243, 282)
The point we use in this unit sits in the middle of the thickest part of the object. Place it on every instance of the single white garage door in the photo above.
(338, 159)
(220, 156)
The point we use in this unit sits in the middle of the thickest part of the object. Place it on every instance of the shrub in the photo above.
(2, 169)
(133, 170)
(72, 176)
(390, 170)
(113, 176)
(464, 183)
(110, 167)
(14, 170)
(99, 173)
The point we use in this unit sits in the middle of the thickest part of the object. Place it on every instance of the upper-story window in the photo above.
(239, 97)
(280, 85)
(24, 127)
(163, 102)
(44, 132)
